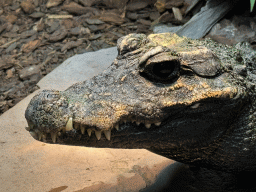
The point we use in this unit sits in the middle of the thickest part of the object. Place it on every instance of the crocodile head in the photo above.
(185, 99)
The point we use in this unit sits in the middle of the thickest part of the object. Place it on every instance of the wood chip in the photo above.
(77, 9)
(71, 44)
(177, 13)
(58, 35)
(53, 3)
(59, 16)
(31, 46)
(9, 43)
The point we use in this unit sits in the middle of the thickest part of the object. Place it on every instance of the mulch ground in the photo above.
(38, 35)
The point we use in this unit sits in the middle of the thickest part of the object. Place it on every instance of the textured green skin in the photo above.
(219, 133)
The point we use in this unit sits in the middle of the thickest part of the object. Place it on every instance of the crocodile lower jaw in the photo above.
(36, 134)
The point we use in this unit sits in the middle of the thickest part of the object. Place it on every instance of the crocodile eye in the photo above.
(162, 67)
(164, 70)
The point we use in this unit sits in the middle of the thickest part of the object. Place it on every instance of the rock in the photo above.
(71, 44)
(77, 9)
(53, 3)
(31, 46)
(58, 35)
(27, 72)
(11, 18)
(135, 6)
(27, 6)
(1, 11)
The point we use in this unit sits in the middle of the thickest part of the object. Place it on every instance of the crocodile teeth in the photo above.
(158, 123)
(54, 136)
(31, 126)
(98, 134)
(117, 127)
(44, 137)
(69, 125)
(82, 129)
(195, 106)
(40, 136)
(89, 131)
(33, 134)
(148, 125)
(108, 134)
(137, 123)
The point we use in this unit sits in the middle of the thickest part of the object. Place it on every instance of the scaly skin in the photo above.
(188, 100)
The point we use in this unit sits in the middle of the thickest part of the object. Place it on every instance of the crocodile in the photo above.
(192, 101)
